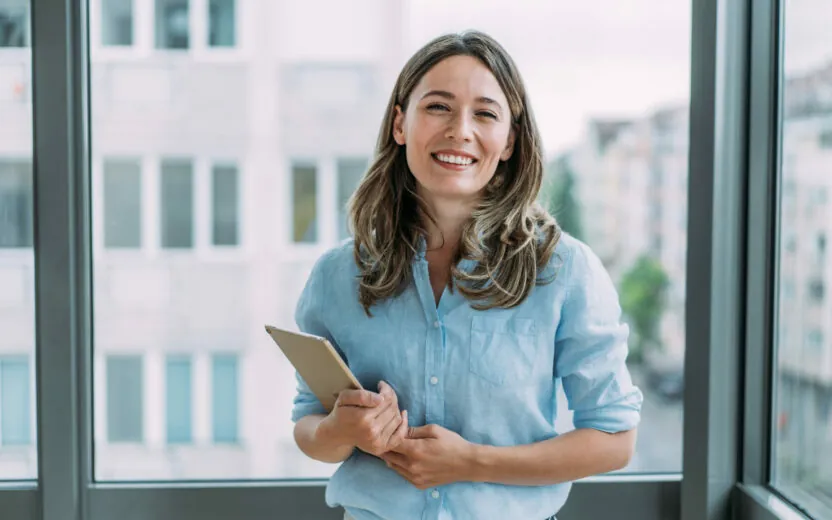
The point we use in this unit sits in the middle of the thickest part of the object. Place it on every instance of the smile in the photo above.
(455, 162)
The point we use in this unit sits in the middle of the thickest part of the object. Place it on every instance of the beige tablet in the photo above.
(317, 362)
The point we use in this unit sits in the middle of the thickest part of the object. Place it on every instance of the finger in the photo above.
(400, 434)
(429, 431)
(395, 458)
(385, 416)
(361, 398)
(392, 426)
(386, 407)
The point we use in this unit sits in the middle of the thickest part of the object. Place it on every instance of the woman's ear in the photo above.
(398, 126)
(509, 150)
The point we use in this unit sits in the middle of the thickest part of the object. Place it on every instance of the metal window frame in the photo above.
(64, 306)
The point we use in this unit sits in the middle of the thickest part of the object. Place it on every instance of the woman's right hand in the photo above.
(370, 421)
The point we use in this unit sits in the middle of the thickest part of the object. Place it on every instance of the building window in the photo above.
(172, 24)
(816, 291)
(179, 404)
(117, 23)
(125, 421)
(14, 402)
(222, 23)
(15, 204)
(304, 203)
(122, 203)
(177, 204)
(225, 398)
(826, 139)
(814, 340)
(225, 197)
(14, 23)
(350, 172)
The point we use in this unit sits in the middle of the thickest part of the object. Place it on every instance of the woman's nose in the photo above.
(460, 128)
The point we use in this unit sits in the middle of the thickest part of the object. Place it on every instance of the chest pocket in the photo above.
(503, 351)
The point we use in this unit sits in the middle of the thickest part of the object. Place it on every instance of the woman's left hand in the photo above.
(432, 456)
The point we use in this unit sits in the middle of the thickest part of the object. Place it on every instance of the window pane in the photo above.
(122, 203)
(303, 115)
(15, 204)
(304, 199)
(15, 427)
(222, 20)
(117, 22)
(178, 386)
(177, 204)
(124, 399)
(14, 23)
(350, 172)
(802, 418)
(224, 402)
(172, 24)
(225, 201)
(18, 431)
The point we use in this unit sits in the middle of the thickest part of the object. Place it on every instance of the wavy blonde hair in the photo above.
(509, 236)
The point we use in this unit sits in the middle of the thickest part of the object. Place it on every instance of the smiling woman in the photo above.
(462, 302)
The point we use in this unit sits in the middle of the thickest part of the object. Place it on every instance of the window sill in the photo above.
(761, 503)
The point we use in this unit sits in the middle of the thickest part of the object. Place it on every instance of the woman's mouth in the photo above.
(452, 161)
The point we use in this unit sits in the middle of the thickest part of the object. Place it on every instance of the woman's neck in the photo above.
(445, 227)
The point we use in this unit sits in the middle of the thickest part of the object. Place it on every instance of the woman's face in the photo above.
(457, 128)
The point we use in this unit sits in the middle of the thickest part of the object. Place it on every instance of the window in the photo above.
(117, 23)
(15, 204)
(125, 402)
(122, 203)
(802, 427)
(15, 402)
(224, 399)
(304, 203)
(14, 23)
(178, 399)
(177, 204)
(350, 172)
(173, 25)
(225, 201)
(222, 21)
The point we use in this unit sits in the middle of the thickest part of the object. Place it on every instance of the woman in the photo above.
(462, 302)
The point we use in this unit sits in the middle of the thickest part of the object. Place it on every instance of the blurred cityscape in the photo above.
(227, 137)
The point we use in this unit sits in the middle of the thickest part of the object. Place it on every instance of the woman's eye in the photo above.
(492, 115)
(437, 106)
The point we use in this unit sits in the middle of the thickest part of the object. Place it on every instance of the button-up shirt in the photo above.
(489, 376)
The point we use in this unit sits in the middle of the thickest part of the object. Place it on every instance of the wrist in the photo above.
(327, 435)
(480, 462)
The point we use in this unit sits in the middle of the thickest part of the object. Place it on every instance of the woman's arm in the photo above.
(316, 446)
(571, 456)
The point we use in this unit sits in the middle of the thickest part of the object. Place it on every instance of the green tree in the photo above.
(560, 197)
(643, 293)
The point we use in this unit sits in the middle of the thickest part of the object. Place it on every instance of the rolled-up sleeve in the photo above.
(591, 349)
(310, 318)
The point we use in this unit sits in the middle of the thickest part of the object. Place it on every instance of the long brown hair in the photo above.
(509, 236)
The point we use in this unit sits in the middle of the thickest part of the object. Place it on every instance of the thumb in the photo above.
(422, 432)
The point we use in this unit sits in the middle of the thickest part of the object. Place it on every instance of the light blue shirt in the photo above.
(487, 375)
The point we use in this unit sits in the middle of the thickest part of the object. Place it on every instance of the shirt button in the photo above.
(435, 324)
(434, 380)
(434, 493)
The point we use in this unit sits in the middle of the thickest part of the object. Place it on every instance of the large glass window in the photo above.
(177, 199)
(15, 204)
(178, 399)
(173, 24)
(222, 20)
(125, 411)
(225, 202)
(802, 420)
(15, 402)
(299, 120)
(18, 432)
(116, 22)
(122, 203)
(14, 23)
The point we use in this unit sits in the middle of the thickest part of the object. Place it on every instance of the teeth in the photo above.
(454, 159)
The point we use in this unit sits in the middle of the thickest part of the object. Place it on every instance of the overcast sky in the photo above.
(603, 58)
